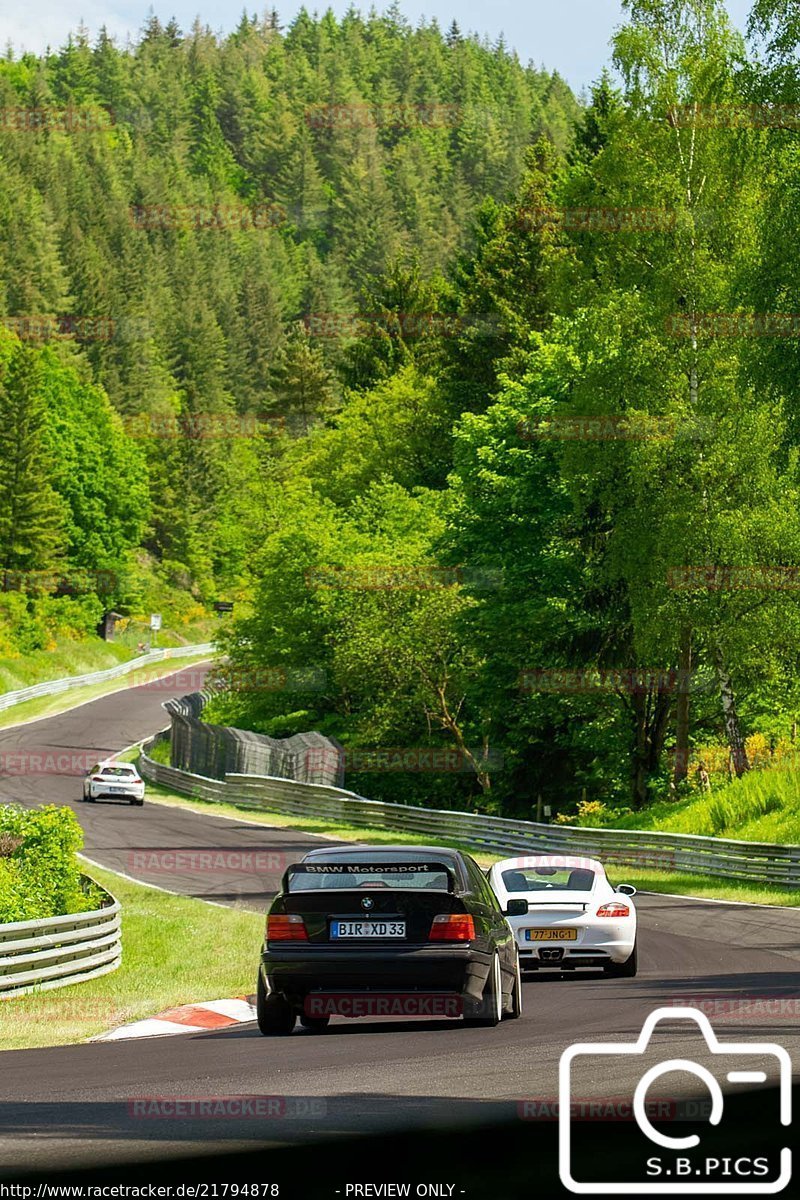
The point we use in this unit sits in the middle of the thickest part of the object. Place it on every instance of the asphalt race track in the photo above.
(74, 1106)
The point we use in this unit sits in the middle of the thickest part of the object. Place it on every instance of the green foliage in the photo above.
(39, 873)
(31, 511)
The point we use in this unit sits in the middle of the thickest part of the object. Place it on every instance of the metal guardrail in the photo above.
(53, 953)
(53, 687)
(724, 858)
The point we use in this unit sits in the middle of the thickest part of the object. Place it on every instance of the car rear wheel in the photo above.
(275, 1016)
(492, 1004)
(315, 1024)
(624, 970)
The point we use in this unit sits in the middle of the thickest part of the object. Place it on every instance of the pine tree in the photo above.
(303, 384)
(31, 512)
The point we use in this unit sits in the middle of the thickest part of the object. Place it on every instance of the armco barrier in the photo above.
(58, 951)
(52, 687)
(754, 862)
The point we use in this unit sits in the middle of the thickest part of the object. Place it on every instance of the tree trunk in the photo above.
(730, 716)
(681, 771)
(639, 756)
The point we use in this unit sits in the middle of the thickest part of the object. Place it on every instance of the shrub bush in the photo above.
(39, 872)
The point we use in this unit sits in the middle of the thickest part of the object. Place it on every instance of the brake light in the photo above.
(286, 927)
(452, 927)
(614, 909)
(98, 779)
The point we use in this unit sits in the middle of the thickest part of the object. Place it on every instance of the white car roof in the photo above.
(568, 862)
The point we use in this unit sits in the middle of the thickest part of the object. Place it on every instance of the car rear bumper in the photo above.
(296, 972)
(126, 794)
(590, 953)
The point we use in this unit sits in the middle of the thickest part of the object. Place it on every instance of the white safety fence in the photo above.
(53, 953)
(725, 858)
(53, 687)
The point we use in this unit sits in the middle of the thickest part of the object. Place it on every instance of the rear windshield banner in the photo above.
(368, 868)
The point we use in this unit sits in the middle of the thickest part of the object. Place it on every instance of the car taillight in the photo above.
(98, 779)
(286, 927)
(452, 927)
(614, 909)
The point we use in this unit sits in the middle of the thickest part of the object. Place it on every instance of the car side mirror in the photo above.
(627, 889)
(517, 908)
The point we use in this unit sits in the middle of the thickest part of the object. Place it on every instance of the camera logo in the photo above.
(682, 1166)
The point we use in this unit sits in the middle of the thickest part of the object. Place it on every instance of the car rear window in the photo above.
(534, 879)
(119, 772)
(308, 877)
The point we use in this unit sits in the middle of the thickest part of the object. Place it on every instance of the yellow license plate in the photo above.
(550, 935)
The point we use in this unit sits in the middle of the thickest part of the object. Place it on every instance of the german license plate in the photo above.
(551, 935)
(368, 929)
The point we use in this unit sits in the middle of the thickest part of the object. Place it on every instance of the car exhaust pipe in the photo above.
(551, 954)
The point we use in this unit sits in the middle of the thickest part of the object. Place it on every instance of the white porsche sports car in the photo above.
(565, 913)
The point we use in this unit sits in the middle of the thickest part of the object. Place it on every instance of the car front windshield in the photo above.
(534, 879)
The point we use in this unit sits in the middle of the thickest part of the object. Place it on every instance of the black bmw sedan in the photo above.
(386, 931)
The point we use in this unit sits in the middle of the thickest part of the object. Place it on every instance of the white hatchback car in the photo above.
(565, 913)
(114, 781)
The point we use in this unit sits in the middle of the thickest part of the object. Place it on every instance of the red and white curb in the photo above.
(190, 1018)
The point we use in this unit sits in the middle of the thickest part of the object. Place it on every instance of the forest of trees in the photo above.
(523, 372)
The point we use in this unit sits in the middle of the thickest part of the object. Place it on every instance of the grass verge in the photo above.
(50, 706)
(646, 880)
(157, 973)
(763, 806)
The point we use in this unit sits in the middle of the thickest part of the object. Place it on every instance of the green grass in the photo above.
(645, 880)
(68, 658)
(157, 972)
(48, 706)
(763, 806)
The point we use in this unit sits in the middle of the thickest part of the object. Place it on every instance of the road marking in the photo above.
(189, 1018)
(709, 900)
(142, 883)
